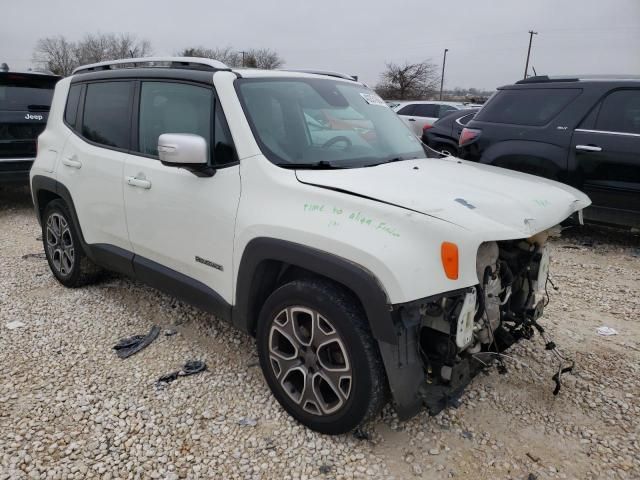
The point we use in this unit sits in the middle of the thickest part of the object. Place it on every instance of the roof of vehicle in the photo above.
(439, 102)
(564, 81)
(159, 65)
(29, 74)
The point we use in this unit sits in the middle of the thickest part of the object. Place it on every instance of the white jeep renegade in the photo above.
(300, 208)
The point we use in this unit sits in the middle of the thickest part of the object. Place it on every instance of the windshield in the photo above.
(23, 93)
(307, 121)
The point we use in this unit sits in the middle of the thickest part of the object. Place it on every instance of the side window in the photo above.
(406, 110)
(106, 117)
(71, 110)
(224, 152)
(172, 108)
(466, 119)
(426, 110)
(527, 106)
(445, 109)
(620, 112)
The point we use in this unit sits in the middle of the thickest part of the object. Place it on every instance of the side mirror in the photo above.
(185, 150)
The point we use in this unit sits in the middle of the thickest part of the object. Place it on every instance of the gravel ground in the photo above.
(69, 408)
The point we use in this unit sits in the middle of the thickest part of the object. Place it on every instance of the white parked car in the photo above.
(418, 114)
(299, 208)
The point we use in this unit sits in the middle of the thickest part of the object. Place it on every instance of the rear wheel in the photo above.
(318, 356)
(62, 247)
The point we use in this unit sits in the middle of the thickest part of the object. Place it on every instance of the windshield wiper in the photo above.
(321, 165)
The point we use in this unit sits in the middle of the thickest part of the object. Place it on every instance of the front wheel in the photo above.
(318, 356)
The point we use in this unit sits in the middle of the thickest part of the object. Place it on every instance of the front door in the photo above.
(605, 157)
(180, 224)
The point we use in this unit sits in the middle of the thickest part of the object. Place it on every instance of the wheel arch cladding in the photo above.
(260, 267)
(45, 190)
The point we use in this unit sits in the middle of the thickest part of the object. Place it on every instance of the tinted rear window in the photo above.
(106, 113)
(406, 110)
(25, 93)
(527, 106)
(426, 110)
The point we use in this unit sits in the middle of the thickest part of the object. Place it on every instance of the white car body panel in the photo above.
(390, 219)
(399, 246)
(417, 123)
(182, 217)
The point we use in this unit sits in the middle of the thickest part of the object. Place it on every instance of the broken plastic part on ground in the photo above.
(131, 345)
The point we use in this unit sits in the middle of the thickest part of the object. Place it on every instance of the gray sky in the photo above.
(487, 40)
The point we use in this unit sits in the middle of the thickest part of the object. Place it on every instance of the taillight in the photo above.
(427, 127)
(468, 135)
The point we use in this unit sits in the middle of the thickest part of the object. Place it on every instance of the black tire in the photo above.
(72, 268)
(367, 384)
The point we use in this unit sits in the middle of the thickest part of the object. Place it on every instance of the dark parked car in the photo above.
(581, 131)
(443, 135)
(25, 99)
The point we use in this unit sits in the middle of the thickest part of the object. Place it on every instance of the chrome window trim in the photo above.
(464, 116)
(607, 132)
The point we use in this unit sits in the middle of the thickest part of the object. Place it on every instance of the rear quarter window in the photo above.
(531, 106)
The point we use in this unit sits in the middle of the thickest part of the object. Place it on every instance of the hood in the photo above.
(480, 198)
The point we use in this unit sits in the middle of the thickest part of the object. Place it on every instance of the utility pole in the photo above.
(243, 53)
(444, 62)
(526, 67)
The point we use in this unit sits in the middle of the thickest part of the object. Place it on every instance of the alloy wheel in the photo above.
(60, 244)
(309, 360)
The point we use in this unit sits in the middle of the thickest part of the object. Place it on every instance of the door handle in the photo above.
(139, 182)
(412, 119)
(588, 148)
(72, 162)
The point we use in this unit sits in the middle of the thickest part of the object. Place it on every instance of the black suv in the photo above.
(25, 99)
(581, 131)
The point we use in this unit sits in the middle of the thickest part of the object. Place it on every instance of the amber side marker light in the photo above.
(449, 254)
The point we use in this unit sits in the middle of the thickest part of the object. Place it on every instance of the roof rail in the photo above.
(195, 63)
(327, 73)
(546, 78)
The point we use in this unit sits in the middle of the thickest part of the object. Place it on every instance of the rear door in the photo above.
(605, 157)
(92, 162)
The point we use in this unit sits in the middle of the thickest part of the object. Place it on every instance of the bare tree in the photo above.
(61, 56)
(56, 54)
(252, 58)
(226, 55)
(263, 58)
(108, 46)
(410, 80)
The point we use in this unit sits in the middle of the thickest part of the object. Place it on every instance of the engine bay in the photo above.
(463, 332)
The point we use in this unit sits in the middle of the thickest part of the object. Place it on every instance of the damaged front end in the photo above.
(445, 340)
